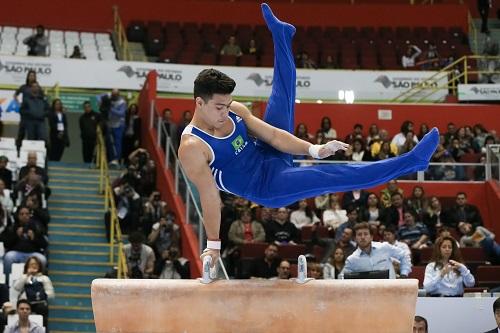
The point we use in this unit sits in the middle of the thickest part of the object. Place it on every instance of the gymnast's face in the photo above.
(215, 111)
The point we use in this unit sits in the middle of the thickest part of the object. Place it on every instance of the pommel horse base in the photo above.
(254, 306)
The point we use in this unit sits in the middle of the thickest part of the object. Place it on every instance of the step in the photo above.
(75, 209)
(79, 264)
(61, 325)
(81, 196)
(82, 238)
(73, 190)
(78, 277)
(80, 204)
(71, 219)
(65, 175)
(75, 181)
(76, 227)
(74, 185)
(79, 256)
(68, 290)
(79, 246)
(63, 299)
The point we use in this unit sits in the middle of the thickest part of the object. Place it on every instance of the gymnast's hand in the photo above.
(327, 149)
(215, 254)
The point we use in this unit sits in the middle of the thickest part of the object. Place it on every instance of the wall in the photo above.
(97, 14)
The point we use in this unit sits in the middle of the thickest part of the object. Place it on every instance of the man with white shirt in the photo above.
(496, 312)
(408, 59)
(374, 256)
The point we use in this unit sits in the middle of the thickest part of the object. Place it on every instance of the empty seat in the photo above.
(249, 60)
(418, 272)
(291, 252)
(207, 59)
(228, 60)
(253, 250)
(488, 276)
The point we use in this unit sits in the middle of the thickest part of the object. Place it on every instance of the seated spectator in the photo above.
(400, 138)
(352, 219)
(424, 129)
(455, 150)
(357, 133)
(490, 140)
(231, 48)
(36, 288)
(446, 274)
(37, 43)
(252, 48)
(154, 209)
(469, 234)
(5, 198)
(491, 247)
(266, 215)
(408, 60)
(356, 198)
(394, 215)
(5, 174)
(334, 216)
(384, 152)
(77, 53)
(321, 202)
(140, 257)
(146, 169)
(303, 215)
(358, 152)
(390, 237)
(128, 208)
(24, 324)
(171, 128)
(305, 62)
(245, 230)
(377, 142)
(23, 241)
(315, 271)
(326, 128)
(266, 266)
(462, 212)
(172, 265)
(283, 271)
(164, 234)
(386, 193)
(32, 164)
(412, 233)
(302, 133)
(281, 230)
(409, 143)
(418, 202)
(464, 141)
(480, 133)
(373, 132)
(335, 264)
(372, 212)
(370, 256)
(38, 214)
(31, 184)
(433, 217)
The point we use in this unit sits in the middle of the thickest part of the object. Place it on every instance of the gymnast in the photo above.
(226, 148)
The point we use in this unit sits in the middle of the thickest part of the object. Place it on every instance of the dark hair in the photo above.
(362, 225)
(136, 237)
(85, 103)
(211, 81)
(54, 104)
(496, 304)
(23, 301)
(436, 253)
(405, 126)
(391, 229)
(396, 193)
(28, 75)
(420, 319)
(38, 261)
(462, 193)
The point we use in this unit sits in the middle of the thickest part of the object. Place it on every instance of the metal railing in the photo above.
(115, 238)
(493, 162)
(183, 187)
(121, 36)
(459, 71)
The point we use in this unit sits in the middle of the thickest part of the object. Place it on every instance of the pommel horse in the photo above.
(254, 306)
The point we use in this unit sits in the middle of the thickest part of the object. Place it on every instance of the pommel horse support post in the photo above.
(254, 306)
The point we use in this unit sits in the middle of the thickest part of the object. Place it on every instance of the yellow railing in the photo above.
(115, 233)
(472, 33)
(121, 36)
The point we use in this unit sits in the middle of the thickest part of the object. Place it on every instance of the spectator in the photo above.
(171, 129)
(252, 48)
(281, 230)
(37, 43)
(469, 234)
(335, 264)
(372, 212)
(433, 217)
(462, 212)
(431, 57)
(326, 128)
(377, 142)
(231, 48)
(32, 163)
(59, 138)
(25, 240)
(373, 132)
(25, 91)
(173, 266)
(394, 214)
(164, 234)
(400, 138)
(418, 202)
(36, 288)
(424, 129)
(117, 110)
(5, 174)
(358, 152)
(89, 121)
(266, 266)
(128, 207)
(244, 230)
(5, 198)
(38, 214)
(31, 184)
(266, 216)
(24, 324)
(334, 216)
(154, 209)
(496, 313)
(386, 193)
(420, 325)
(303, 215)
(390, 238)
(408, 60)
(322, 202)
(186, 119)
(384, 152)
(446, 275)
(132, 136)
(77, 53)
(140, 257)
(357, 133)
(352, 219)
(302, 133)
(491, 247)
(305, 62)
(455, 150)
(483, 7)
(371, 256)
(283, 271)
(450, 134)
(480, 134)
(145, 182)
(34, 111)
(412, 233)
(315, 271)
(356, 198)
(490, 140)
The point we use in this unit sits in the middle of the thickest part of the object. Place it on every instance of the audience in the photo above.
(24, 324)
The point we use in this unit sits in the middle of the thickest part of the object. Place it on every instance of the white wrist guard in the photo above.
(314, 151)
(213, 245)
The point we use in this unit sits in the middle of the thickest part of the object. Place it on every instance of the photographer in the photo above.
(128, 205)
(154, 209)
(146, 169)
(140, 257)
(172, 266)
(37, 43)
(165, 234)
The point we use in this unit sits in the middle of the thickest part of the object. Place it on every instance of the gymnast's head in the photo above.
(212, 94)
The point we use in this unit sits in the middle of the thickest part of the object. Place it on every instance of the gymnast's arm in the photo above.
(282, 140)
(194, 160)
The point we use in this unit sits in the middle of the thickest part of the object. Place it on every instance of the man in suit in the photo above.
(496, 313)
(462, 212)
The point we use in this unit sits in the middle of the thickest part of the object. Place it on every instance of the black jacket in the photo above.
(88, 125)
(34, 108)
(453, 215)
(54, 133)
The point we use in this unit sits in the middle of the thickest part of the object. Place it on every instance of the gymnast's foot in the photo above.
(424, 150)
(275, 25)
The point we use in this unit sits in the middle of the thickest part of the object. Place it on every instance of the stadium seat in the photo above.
(254, 250)
(291, 252)
(488, 276)
(248, 60)
(418, 272)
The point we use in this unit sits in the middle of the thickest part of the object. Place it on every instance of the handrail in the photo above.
(121, 36)
(110, 205)
(472, 32)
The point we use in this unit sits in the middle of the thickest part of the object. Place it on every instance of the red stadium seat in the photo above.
(207, 59)
(291, 252)
(248, 60)
(254, 250)
(488, 276)
(418, 272)
(228, 60)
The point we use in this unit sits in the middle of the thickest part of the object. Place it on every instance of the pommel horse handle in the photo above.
(302, 270)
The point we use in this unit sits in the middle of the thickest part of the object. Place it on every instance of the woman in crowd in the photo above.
(433, 217)
(446, 275)
(303, 215)
(334, 215)
(418, 202)
(372, 212)
(59, 138)
(302, 133)
(326, 128)
(334, 265)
